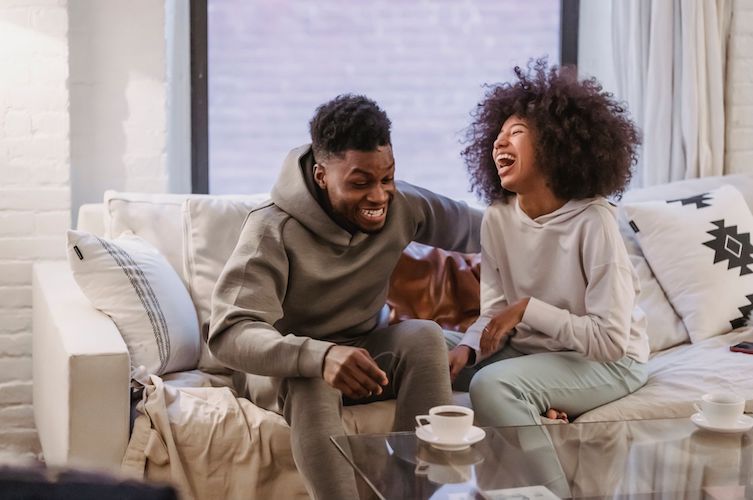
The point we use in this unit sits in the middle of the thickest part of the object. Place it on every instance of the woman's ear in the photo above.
(319, 176)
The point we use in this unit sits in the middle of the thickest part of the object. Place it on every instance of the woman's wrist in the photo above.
(522, 305)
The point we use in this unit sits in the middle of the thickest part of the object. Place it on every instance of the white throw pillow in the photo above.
(700, 251)
(130, 281)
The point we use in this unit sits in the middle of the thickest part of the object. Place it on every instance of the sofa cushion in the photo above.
(678, 377)
(154, 217)
(664, 327)
(211, 227)
(699, 249)
(131, 282)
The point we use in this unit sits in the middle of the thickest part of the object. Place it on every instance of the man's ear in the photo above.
(319, 174)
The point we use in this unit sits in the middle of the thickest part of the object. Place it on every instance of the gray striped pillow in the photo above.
(130, 281)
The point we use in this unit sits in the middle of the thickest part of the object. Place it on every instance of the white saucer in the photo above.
(744, 423)
(475, 434)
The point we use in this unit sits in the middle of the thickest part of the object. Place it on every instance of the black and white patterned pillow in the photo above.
(699, 248)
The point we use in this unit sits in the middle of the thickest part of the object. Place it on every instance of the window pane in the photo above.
(272, 62)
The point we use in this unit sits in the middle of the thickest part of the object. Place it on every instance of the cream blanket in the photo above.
(193, 432)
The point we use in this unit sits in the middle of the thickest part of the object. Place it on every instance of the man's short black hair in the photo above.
(348, 122)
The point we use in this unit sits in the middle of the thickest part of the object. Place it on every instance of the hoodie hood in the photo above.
(564, 213)
(295, 195)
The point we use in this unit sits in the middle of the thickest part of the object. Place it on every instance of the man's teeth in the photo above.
(373, 213)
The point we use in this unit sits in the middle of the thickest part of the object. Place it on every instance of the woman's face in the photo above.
(514, 155)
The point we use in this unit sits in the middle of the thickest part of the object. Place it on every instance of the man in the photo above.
(300, 304)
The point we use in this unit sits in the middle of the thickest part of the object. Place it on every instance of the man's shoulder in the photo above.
(267, 217)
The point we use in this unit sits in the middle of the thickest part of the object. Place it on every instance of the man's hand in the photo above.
(498, 329)
(352, 371)
(458, 357)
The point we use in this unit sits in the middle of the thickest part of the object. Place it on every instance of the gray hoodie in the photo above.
(298, 283)
(573, 265)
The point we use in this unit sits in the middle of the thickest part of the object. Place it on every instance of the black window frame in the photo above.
(569, 12)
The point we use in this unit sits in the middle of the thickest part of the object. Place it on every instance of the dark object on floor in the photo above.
(38, 483)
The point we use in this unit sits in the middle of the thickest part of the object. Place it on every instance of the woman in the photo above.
(559, 327)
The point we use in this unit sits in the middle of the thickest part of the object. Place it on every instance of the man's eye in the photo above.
(388, 181)
(360, 184)
(514, 132)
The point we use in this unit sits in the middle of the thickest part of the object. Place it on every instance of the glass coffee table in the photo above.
(667, 459)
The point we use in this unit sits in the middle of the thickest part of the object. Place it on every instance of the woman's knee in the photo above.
(491, 385)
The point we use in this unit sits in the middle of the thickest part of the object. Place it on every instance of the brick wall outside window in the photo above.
(272, 63)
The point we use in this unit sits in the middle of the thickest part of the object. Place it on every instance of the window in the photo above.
(271, 63)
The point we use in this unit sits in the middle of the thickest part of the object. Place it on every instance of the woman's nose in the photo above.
(500, 141)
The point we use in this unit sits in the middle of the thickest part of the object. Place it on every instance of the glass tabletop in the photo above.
(667, 459)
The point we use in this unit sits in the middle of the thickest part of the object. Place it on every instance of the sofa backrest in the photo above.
(196, 233)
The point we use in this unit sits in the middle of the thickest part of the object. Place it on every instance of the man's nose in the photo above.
(379, 194)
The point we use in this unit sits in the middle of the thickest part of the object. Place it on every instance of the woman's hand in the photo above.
(458, 357)
(498, 329)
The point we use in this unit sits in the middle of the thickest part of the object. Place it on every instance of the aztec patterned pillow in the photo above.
(700, 251)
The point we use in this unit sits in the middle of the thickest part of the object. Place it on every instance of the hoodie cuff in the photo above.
(471, 340)
(311, 355)
(544, 317)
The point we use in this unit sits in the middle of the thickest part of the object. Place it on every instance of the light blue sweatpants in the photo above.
(512, 388)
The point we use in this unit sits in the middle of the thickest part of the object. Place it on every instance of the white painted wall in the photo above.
(34, 191)
(118, 94)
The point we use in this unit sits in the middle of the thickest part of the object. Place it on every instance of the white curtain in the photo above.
(670, 58)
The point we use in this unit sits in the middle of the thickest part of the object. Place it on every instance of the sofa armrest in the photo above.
(81, 374)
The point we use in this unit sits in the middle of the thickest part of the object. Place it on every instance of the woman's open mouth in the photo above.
(504, 161)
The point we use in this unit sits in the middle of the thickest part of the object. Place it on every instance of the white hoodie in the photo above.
(573, 265)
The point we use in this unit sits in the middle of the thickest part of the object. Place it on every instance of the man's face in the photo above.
(360, 186)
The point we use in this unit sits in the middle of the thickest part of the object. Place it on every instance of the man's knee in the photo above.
(425, 338)
(313, 396)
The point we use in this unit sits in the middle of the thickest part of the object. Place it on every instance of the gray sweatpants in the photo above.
(414, 356)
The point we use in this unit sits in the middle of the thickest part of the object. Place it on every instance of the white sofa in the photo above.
(81, 364)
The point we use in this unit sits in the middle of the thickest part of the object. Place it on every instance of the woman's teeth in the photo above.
(505, 159)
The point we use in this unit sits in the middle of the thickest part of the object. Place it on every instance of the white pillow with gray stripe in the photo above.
(130, 281)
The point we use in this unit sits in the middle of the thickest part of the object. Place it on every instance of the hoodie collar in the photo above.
(295, 196)
(562, 214)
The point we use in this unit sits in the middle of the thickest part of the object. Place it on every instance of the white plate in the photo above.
(744, 423)
(475, 434)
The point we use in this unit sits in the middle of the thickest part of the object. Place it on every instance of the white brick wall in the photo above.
(34, 192)
(739, 141)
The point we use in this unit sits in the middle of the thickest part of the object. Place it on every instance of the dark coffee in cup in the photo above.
(450, 414)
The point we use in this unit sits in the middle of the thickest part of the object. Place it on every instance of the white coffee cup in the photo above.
(448, 422)
(721, 409)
